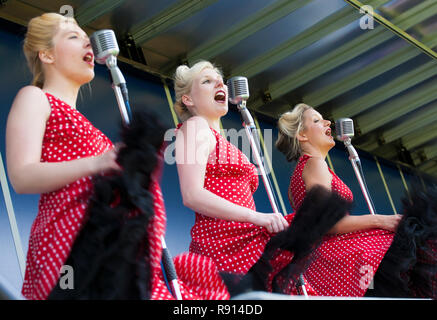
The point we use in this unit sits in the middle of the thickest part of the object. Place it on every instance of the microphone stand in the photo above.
(250, 129)
(120, 89)
(356, 165)
(121, 94)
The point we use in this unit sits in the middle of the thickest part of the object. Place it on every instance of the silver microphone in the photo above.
(344, 129)
(238, 89)
(105, 49)
(104, 44)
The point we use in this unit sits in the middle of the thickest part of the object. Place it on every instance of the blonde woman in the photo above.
(355, 246)
(216, 179)
(54, 150)
(51, 147)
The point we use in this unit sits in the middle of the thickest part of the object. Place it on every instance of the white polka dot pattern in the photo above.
(235, 247)
(198, 276)
(344, 264)
(68, 136)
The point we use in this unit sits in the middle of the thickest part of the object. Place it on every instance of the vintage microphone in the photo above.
(344, 128)
(105, 47)
(238, 88)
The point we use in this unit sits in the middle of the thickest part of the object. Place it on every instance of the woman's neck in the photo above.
(315, 152)
(62, 88)
(214, 123)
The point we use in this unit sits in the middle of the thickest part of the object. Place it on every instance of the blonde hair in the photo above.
(39, 36)
(183, 81)
(289, 125)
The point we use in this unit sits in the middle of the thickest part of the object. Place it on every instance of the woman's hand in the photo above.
(388, 222)
(107, 161)
(273, 222)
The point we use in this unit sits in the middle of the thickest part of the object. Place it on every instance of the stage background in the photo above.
(98, 104)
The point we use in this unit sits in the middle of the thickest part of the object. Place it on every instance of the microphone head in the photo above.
(104, 44)
(238, 89)
(344, 128)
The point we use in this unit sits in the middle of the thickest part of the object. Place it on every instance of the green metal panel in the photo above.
(92, 10)
(245, 28)
(359, 77)
(397, 107)
(352, 49)
(416, 121)
(167, 18)
(421, 136)
(395, 29)
(328, 25)
(396, 86)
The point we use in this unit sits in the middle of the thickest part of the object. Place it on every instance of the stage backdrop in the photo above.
(387, 183)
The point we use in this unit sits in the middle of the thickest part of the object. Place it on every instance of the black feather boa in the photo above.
(409, 268)
(319, 212)
(110, 254)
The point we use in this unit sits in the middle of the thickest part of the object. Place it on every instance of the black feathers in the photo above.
(110, 254)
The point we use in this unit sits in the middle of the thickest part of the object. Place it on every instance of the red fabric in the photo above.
(345, 263)
(198, 276)
(68, 136)
(234, 246)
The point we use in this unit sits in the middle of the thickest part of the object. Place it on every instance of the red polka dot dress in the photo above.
(68, 136)
(344, 264)
(234, 246)
(198, 276)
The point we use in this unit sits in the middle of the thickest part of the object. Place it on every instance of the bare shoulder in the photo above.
(31, 99)
(316, 172)
(316, 164)
(198, 128)
(196, 122)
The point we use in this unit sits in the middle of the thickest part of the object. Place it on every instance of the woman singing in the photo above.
(217, 180)
(109, 229)
(51, 147)
(353, 249)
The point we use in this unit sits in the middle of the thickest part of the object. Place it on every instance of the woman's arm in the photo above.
(316, 173)
(24, 135)
(194, 143)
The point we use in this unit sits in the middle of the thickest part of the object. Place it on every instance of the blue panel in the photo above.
(343, 168)
(395, 185)
(376, 186)
(344, 171)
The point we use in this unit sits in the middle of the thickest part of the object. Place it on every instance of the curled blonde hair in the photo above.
(183, 81)
(39, 36)
(289, 125)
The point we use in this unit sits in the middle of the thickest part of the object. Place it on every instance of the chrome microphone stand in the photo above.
(120, 90)
(356, 165)
(252, 136)
(119, 86)
(250, 129)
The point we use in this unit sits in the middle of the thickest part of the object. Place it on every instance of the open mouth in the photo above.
(89, 58)
(328, 133)
(220, 96)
